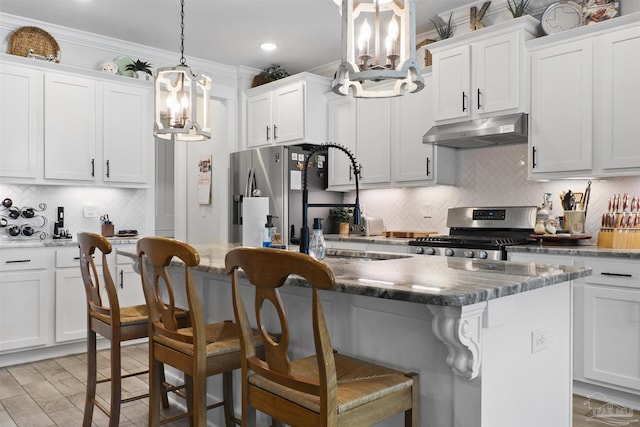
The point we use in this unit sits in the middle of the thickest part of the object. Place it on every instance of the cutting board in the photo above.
(407, 234)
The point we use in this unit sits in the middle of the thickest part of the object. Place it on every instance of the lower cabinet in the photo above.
(606, 321)
(609, 311)
(25, 308)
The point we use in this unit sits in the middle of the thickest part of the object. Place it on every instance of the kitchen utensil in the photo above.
(634, 204)
(28, 212)
(3, 222)
(7, 203)
(568, 201)
(14, 230)
(14, 213)
(625, 202)
(586, 197)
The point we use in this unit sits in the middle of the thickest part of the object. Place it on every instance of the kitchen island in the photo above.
(491, 340)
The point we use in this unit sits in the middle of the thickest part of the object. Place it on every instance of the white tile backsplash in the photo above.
(126, 207)
(490, 176)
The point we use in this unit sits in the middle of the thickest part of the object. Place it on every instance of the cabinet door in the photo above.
(561, 108)
(259, 119)
(127, 135)
(289, 113)
(496, 77)
(20, 121)
(129, 286)
(69, 127)
(24, 309)
(412, 118)
(612, 335)
(71, 306)
(618, 90)
(341, 130)
(373, 139)
(452, 80)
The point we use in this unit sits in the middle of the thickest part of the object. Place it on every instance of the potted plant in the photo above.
(518, 7)
(141, 69)
(342, 216)
(444, 29)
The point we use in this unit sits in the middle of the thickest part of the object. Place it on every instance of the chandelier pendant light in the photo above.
(378, 44)
(182, 99)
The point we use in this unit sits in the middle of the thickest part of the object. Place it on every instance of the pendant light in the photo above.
(182, 99)
(378, 49)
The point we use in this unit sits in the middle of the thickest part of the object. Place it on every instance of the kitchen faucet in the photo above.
(304, 231)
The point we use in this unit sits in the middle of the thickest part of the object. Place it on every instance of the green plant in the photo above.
(341, 214)
(274, 72)
(518, 7)
(139, 65)
(444, 29)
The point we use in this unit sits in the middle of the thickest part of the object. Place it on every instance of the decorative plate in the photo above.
(34, 42)
(122, 62)
(561, 16)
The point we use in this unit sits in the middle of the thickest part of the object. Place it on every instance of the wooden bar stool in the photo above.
(113, 322)
(325, 389)
(199, 351)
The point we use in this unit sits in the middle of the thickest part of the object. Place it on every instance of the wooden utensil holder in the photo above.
(107, 230)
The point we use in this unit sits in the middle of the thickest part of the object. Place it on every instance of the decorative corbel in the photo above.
(475, 17)
(460, 328)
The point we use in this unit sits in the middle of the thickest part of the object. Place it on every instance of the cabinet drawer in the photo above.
(70, 257)
(23, 259)
(611, 271)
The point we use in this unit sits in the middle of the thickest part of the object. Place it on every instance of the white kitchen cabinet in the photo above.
(616, 106)
(70, 296)
(25, 298)
(610, 314)
(127, 133)
(584, 92)
(287, 111)
(69, 127)
(20, 121)
(341, 130)
(128, 281)
(483, 73)
(561, 109)
(414, 162)
(373, 140)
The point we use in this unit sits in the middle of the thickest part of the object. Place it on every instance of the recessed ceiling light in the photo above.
(268, 46)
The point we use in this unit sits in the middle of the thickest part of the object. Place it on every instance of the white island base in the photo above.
(505, 362)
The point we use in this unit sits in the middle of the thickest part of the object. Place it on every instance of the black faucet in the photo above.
(304, 231)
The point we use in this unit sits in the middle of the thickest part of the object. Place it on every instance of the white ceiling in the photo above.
(224, 31)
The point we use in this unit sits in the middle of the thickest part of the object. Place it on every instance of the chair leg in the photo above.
(91, 379)
(412, 416)
(116, 384)
(154, 389)
(199, 398)
(163, 380)
(227, 395)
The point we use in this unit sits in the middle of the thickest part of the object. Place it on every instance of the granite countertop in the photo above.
(427, 280)
(577, 250)
(58, 243)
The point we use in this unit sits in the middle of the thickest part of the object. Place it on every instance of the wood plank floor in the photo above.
(51, 393)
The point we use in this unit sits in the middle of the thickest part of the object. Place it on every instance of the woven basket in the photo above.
(34, 42)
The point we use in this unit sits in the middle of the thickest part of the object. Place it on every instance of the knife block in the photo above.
(619, 238)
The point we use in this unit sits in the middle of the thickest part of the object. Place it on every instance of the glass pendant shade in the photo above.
(378, 49)
(182, 104)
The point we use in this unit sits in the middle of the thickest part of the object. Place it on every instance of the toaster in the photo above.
(369, 226)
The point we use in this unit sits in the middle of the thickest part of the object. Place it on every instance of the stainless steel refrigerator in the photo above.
(276, 172)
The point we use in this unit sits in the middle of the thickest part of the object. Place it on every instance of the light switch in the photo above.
(90, 211)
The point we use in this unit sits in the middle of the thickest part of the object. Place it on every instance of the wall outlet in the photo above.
(90, 211)
(426, 210)
(539, 340)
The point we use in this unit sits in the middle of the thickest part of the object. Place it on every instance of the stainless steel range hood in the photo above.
(508, 129)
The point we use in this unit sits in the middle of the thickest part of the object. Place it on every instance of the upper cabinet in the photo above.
(584, 109)
(385, 135)
(561, 108)
(66, 127)
(483, 73)
(20, 121)
(291, 110)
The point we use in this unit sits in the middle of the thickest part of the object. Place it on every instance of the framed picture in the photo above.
(594, 11)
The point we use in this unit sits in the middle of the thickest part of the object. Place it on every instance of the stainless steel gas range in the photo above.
(480, 232)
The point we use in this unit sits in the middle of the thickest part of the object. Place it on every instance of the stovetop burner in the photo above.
(469, 241)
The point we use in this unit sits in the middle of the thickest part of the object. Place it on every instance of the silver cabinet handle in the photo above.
(268, 137)
(275, 132)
